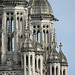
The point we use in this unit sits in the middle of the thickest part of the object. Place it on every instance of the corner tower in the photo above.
(13, 18)
(41, 22)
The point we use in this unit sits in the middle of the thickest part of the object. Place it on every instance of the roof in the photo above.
(40, 7)
(54, 57)
(63, 59)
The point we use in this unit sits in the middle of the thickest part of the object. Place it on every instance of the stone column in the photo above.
(54, 70)
(4, 45)
(59, 70)
(50, 70)
(15, 32)
(37, 62)
(24, 64)
(62, 71)
(33, 63)
(66, 71)
(41, 65)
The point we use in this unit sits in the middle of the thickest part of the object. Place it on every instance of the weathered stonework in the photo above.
(28, 44)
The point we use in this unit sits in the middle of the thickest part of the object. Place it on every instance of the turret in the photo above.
(63, 61)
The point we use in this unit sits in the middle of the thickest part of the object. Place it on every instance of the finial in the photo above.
(60, 45)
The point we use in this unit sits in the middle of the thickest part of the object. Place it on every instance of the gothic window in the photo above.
(8, 47)
(27, 61)
(12, 24)
(31, 60)
(47, 36)
(43, 35)
(35, 64)
(10, 31)
(52, 70)
(7, 24)
(56, 70)
(39, 64)
(64, 72)
(34, 35)
(17, 22)
(12, 43)
(38, 36)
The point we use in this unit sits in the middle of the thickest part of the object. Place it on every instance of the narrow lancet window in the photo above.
(38, 36)
(43, 35)
(57, 71)
(7, 26)
(39, 64)
(31, 60)
(47, 36)
(13, 44)
(8, 46)
(34, 35)
(35, 65)
(63, 72)
(27, 61)
(12, 23)
(52, 70)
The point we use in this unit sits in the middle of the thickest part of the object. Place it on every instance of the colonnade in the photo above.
(29, 64)
(58, 70)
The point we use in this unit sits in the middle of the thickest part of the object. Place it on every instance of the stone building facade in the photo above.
(28, 44)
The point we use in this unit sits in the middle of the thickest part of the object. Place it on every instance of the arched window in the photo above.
(38, 36)
(39, 64)
(52, 70)
(7, 24)
(56, 70)
(64, 72)
(12, 24)
(34, 35)
(12, 29)
(43, 35)
(26, 60)
(35, 65)
(47, 36)
(31, 60)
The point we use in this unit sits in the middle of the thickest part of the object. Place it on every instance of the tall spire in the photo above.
(54, 40)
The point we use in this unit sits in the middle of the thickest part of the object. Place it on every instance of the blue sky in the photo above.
(64, 10)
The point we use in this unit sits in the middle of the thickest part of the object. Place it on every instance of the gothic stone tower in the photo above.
(28, 44)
